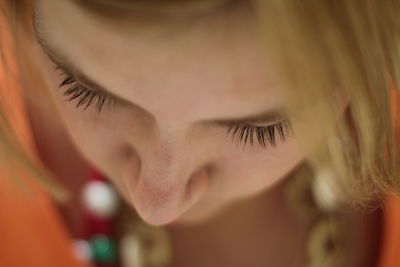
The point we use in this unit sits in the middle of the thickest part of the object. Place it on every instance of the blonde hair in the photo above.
(327, 53)
(330, 51)
(16, 156)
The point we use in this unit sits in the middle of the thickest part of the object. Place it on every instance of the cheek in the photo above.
(240, 174)
(99, 139)
(250, 173)
(98, 142)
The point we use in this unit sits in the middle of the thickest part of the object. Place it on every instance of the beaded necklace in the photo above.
(135, 245)
(311, 196)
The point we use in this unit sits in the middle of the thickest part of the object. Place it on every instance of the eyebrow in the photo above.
(264, 117)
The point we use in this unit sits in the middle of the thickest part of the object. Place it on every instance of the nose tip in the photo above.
(163, 199)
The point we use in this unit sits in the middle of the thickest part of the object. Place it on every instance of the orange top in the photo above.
(32, 233)
(31, 230)
(390, 246)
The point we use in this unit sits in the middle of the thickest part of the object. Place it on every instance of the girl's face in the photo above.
(179, 87)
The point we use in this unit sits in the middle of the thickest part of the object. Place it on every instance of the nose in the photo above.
(162, 186)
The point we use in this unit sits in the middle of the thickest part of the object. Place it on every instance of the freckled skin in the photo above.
(162, 155)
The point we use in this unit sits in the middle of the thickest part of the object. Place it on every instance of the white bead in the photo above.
(324, 190)
(82, 250)
(100, 199)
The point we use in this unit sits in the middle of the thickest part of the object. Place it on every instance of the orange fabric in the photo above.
(390, 247)
(31, 231)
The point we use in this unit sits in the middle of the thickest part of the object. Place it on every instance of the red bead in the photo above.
(94, 174)
(95, 225)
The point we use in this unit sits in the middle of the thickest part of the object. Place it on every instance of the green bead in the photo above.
(103, 249)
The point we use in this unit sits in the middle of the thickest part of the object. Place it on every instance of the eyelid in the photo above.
(76, 79)
(265, 134)
(259, 125)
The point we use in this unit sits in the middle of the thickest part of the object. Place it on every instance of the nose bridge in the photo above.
(165, 166)
(162, 163)
(163, 153)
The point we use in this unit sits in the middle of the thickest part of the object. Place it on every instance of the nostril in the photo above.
(158, 194)
(131, 172)
(196, 187)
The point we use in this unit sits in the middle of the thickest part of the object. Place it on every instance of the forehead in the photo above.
(216, 56)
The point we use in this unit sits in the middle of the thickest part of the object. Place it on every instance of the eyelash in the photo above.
(265, 134)
(84, 94)
(243, 132)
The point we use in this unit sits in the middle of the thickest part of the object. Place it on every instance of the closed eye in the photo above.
(85, 95)
(241, 132)
(265, 135)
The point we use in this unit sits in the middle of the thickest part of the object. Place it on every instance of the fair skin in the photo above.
(161, 146)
